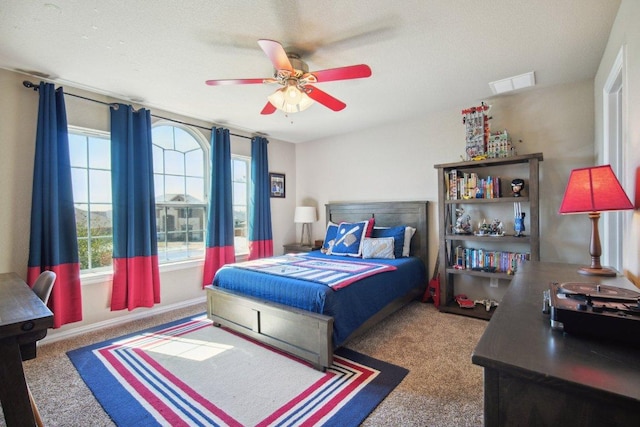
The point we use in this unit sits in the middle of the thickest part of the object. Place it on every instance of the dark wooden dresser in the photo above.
(537, 376)
(24, 319)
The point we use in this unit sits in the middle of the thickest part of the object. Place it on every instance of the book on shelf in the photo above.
(468, 185)
(487, 260)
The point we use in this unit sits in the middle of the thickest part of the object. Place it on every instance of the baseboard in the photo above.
(55, 335)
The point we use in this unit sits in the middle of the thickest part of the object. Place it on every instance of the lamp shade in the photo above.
(290, 99)
(594, 189)
(305, 214)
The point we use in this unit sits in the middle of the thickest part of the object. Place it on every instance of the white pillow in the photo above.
(381, 247)
(408, 234)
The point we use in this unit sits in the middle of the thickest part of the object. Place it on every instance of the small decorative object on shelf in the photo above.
(494, 229)
(488, 303)
(518, 220)
(463, 222)
(517, 185)
(483, 229)
(464, 302)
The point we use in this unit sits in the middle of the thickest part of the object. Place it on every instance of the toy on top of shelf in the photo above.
(477, 131)
(499, 145)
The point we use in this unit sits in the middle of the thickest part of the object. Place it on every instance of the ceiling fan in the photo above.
(298, 91)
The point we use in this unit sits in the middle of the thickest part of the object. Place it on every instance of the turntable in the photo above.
(594, 310)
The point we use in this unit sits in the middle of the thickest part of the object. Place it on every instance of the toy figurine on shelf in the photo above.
(488, 303)
(463, 222)
(496, 228)
(518, 224)
(483, 229)
(517, 185)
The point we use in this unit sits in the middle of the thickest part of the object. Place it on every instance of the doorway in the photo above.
(614, 135)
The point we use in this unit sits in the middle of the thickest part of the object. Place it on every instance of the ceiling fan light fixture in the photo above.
(293, 95)
(290, 99)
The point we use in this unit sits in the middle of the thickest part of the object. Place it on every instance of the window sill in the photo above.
(106, 275)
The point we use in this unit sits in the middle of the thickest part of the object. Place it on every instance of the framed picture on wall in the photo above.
(276, 180)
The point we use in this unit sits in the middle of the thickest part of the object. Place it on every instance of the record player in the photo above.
(594, 310)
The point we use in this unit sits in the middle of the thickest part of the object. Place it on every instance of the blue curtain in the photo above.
(136, 280)
(260, 236)
(219, 250)
(53, 243)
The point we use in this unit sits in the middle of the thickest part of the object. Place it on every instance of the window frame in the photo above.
(247, 161)
(163, 259)
(90, 133)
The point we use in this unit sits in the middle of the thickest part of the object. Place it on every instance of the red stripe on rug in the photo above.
(219, 413)
(292, 403)
(365, 374)
(143, 391)
(352, 382)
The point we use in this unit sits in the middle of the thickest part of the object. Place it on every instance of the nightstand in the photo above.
(297, 247)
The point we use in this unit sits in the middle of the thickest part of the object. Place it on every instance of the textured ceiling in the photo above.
(425, 55)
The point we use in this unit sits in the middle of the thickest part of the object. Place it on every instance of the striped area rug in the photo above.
(190, 373)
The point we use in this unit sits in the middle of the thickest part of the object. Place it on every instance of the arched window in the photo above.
(179, 168)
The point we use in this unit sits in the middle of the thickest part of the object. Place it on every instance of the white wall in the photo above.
(396, 162)
(180, 284)
(625, 32)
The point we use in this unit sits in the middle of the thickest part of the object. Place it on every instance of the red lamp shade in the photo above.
(594, 189)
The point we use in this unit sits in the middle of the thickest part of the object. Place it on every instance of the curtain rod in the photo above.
(30, 85)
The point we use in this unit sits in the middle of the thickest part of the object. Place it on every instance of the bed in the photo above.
(313, 320)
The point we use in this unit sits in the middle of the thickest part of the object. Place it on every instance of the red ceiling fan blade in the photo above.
(343, 73)
(268, 109)
(324, 98)
(234, 82)
(276, 54)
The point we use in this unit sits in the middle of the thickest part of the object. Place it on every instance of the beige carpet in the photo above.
(443, 387)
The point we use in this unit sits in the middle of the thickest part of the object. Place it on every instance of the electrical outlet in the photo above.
(493, 282)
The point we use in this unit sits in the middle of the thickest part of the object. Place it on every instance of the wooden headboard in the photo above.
(388, 214)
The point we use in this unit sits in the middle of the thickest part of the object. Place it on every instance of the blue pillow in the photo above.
(348, 239)
(398, 238)
(330, 235)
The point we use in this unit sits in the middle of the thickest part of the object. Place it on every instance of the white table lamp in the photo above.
(305, 215)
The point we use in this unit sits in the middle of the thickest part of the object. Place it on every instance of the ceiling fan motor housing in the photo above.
(298, 64)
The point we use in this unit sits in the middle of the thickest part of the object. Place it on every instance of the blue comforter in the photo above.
(350, 306)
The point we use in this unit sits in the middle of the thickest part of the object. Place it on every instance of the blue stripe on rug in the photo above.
(116, 385)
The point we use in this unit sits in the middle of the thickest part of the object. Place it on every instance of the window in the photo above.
(90, 156)
(179, 167)
(240, 169)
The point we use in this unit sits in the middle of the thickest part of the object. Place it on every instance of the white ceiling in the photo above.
(425, 55)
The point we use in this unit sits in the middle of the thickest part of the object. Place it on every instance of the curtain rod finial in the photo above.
(29, 85)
